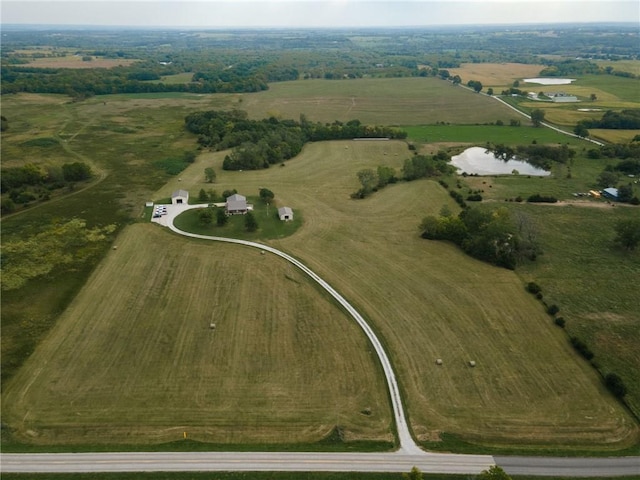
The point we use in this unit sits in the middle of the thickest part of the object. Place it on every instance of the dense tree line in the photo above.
(541, 156)
(491, 236)
(624, 120)
(260, 143)
(34, 175)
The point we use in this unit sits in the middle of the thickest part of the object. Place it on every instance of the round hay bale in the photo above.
(438, 361)
(472, 363)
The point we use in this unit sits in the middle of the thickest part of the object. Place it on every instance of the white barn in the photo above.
(180, 197)
(285, 214)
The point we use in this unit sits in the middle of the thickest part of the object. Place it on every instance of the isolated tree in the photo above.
(456, 80)
(625, 193)
(593, 97)
(266, 195)
(368, 179)
(210, 175)
(386, 175)
(607, 179)
(494, 473)
(205, 216)
(516, 84)
(221, 217)
(537, 117)
(628, 233)
(615, 385)
(490, 91)
(414, 474)
(250, 222)
(581, 130)
(202, 195)
(75, 172)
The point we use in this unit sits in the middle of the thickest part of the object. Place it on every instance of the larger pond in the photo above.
(479, 161)
(550, 81)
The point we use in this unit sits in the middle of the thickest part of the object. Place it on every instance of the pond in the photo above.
(476, 160)
(550, 81)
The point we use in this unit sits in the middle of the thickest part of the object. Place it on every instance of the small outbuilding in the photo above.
(180, 197)
(285, 214)
(611, 193)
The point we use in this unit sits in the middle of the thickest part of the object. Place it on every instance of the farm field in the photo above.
(75, 61)
(134, 360)
(387, 101)
(496, 75)
(426, 299)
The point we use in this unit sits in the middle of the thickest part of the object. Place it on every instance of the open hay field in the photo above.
(75, 61)
(430, 301)
(387, 101)
(495, 74)
(134, 360)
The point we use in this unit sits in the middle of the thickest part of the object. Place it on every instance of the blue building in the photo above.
(611, 193)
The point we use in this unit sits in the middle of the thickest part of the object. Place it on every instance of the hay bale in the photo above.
(438, 361)
(472, 363)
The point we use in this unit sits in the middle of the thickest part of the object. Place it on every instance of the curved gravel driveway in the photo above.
(407, 444)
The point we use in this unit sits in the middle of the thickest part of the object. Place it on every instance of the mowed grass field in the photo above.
(426, 299)
(385, 101)
(134, 360)
(496, 75)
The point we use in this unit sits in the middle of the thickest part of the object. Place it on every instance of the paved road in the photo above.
(244, 461)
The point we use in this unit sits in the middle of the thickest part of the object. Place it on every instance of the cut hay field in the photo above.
(496, 74)
(385, 101)
(75, 61)
(134, 360)
(426, 300)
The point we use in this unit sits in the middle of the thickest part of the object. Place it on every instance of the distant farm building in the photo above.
(610, 193)
(180, 197)
(562, 97)
(237, 205)
(285, 214)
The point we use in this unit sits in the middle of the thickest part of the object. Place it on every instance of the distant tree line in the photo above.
(260, 143)
(624, 120)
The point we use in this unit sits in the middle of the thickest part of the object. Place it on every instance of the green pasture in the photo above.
(481, 134)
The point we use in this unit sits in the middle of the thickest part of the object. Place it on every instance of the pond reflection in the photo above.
(479, 161)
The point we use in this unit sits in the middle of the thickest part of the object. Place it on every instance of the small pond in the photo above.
(476, 160)
(550, 81)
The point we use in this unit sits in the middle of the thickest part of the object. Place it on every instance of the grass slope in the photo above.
(430, 301)
(133, 359)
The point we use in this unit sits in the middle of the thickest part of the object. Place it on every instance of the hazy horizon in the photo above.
(312, 13)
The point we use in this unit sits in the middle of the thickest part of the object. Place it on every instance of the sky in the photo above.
(313, 13)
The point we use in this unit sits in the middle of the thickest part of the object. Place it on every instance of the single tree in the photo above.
(516, 84)
(202, 195)
(250, 222)
(210, 175)
(607, 179)
(205, 216)
(593, 97)
(581, 130)
(368, 179)
(221, 217)
(490, 91)
(266, 195)
(615, 385)
(628, 233)
(414, 474)
(456, 80)
(537, 117)
(494, 473)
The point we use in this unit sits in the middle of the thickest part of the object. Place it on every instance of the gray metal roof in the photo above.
(180, 193)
